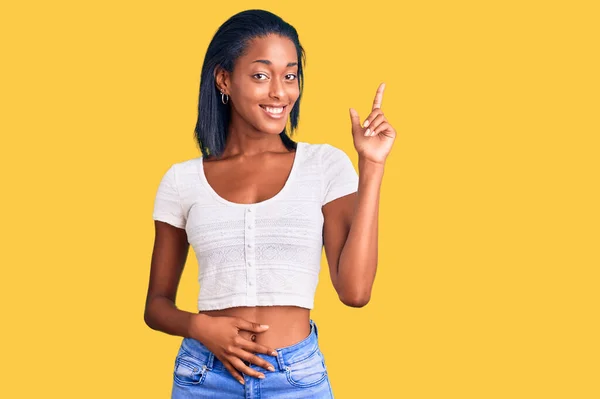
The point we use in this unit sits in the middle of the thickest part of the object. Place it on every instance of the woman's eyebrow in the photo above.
(267, 62)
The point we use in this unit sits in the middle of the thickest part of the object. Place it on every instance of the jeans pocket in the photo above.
(308, 372)
(189, 370)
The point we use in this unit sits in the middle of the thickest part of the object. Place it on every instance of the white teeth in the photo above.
(274, 110)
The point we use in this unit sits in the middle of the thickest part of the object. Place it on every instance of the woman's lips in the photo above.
(274, 112)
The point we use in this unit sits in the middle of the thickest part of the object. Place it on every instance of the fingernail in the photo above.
(241, 382)
(366, 123)
(264, 326)
(274, 353)
(271, 368)
(367, 132)
(261, 376)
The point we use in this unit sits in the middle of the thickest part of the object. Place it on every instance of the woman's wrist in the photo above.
(196, 323)
(370, 167)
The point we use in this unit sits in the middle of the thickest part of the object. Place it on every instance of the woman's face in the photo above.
(263, 86)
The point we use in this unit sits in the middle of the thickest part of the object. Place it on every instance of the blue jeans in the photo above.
(300, 372)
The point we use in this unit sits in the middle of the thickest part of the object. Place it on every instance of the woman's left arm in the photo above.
(351, 222)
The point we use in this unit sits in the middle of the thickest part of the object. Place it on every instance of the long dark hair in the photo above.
(229, 43)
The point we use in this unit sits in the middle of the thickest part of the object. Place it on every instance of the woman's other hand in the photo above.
(220, 334)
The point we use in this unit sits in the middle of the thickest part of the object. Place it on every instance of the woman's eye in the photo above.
(262, 76)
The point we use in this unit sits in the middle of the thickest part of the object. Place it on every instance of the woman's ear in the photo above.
(222, 80)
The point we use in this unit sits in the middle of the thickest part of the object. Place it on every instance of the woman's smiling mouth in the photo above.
(274, 111)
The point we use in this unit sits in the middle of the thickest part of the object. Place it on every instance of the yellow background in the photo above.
(487, 285)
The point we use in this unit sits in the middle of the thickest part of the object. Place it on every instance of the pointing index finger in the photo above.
(378, 96)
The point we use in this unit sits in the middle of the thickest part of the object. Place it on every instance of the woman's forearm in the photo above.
(162, 315)
(358, 259)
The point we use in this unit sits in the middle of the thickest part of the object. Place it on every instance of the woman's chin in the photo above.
(273, 129)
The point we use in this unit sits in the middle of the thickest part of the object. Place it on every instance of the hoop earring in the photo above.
(224, 98)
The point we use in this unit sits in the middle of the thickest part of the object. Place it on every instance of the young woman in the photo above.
(257, 208)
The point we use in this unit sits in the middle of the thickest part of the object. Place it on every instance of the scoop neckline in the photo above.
(288, 182)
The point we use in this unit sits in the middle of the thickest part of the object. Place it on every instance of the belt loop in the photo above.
(314, 325)
(210, 360)
(280, 361)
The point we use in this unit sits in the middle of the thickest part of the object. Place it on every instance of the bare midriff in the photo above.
(288, 325)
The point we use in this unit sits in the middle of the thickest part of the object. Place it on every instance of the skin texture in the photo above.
(254, 167)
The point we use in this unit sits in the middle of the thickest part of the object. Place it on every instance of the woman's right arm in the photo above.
(168, 260)
(218, 334)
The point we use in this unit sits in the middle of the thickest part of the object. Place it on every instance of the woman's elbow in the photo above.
(355, 300)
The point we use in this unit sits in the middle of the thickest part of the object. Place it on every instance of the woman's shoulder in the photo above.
(321, 150)
(183, 170)
(317, 146)
(186, 163)
(326, 152)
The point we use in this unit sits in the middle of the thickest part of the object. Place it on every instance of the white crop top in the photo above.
(261, 254)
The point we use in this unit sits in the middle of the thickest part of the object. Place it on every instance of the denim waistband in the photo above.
(286, 356)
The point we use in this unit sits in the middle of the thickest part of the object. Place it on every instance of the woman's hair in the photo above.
(230, 42)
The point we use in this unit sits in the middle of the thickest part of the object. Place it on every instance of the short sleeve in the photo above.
(339, 176)
(167, 204)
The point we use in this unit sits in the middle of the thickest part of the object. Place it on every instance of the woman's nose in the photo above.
(277, 90)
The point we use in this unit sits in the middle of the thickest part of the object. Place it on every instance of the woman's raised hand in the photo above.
(373, 140)
(220, 334)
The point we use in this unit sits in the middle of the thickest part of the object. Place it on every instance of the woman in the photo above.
(257, 209)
